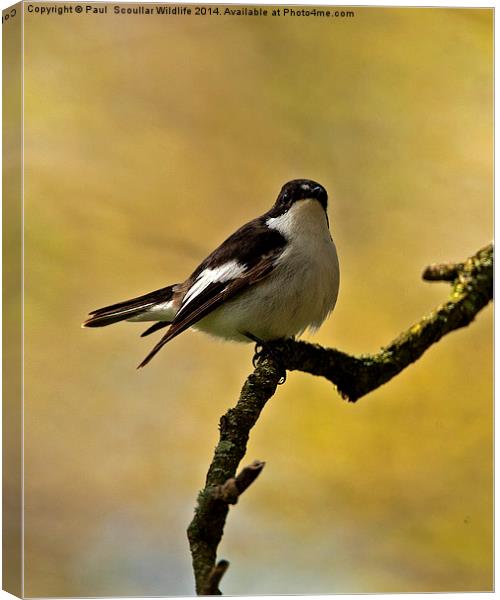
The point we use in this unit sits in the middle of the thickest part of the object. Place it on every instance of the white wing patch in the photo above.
(226, 272)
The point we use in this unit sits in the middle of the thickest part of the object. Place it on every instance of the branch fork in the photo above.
(232, 489)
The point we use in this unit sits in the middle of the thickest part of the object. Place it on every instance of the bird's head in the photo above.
(301, 189)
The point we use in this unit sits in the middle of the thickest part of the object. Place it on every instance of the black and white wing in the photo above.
(246, 257)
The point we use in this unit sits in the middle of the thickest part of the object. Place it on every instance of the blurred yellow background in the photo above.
(147, 141)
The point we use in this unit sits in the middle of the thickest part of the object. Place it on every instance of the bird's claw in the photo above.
(261, 350)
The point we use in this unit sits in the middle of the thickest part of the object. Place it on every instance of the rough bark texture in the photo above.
(353, 376)
(205, 531)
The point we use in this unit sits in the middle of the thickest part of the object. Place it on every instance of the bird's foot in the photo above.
(262, 349)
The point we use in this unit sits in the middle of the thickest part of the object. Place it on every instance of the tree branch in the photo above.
(234, 487)
(353, 376)
(206, 528)
(446, 272)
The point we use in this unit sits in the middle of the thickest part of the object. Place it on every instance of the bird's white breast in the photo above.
(300, 292)
(309, 263)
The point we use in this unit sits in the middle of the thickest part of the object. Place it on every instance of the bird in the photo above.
(272, 279)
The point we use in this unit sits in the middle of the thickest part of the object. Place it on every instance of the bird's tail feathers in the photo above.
(128, 309)
(166, 338)
(155, 327)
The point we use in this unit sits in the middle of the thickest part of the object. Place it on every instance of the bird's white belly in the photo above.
(301, 292)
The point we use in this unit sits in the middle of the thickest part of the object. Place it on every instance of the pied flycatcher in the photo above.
(273, 278)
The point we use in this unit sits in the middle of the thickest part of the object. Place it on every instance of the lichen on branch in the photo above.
(353, 376)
